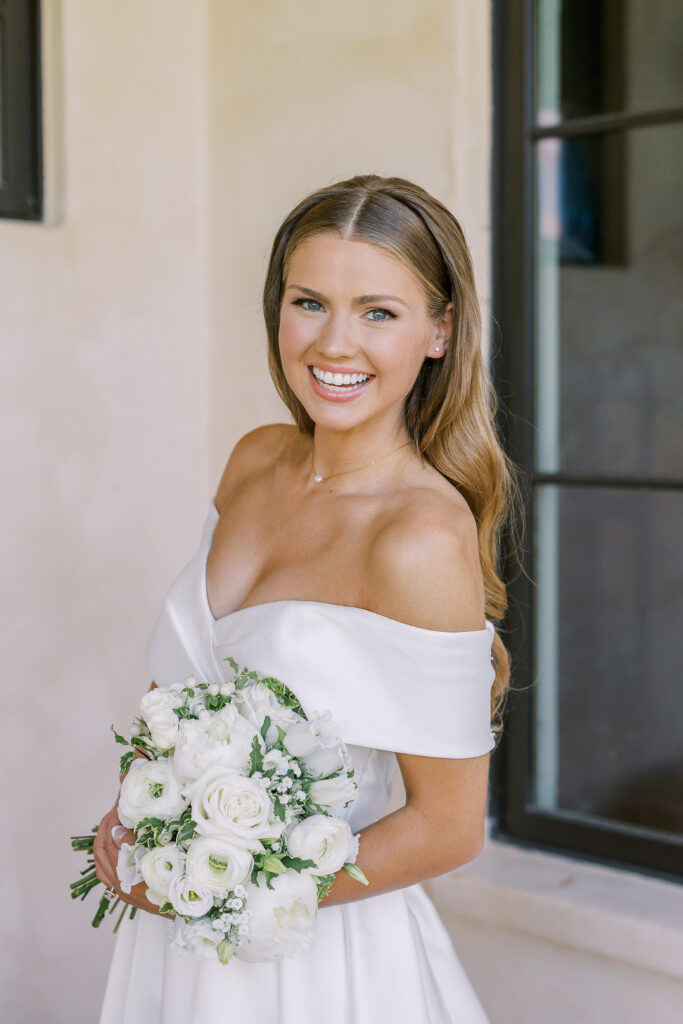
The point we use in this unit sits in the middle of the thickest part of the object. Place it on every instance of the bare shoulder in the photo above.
(424, 565)
(253, 454)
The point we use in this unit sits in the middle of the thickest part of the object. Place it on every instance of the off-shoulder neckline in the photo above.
(326, 606)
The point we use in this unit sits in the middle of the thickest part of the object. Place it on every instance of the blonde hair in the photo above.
(450, 411)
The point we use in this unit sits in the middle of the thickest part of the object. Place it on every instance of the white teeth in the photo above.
(339, 380)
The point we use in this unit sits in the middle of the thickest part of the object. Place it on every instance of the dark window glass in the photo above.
(606, 56)
(588, 253)
(609, 255)
(609, 714)
(20, 110)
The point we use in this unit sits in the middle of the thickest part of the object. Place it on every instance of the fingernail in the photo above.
(117, 833)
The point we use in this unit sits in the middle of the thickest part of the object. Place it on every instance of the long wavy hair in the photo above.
(450, 411)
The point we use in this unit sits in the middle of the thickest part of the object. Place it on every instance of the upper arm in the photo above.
(449, 795)
(425, 568)
(252, 452)
(426, 571)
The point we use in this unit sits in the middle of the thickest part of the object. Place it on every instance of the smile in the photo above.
(339, 387)
(336, 382)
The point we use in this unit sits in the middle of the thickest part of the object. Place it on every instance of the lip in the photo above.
(339, 396)
(339, 369)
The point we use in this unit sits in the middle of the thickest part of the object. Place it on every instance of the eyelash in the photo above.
(375, 309)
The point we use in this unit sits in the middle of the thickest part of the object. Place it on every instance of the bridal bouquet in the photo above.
(233, 812)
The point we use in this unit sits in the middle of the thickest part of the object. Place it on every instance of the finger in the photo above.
(105, 870)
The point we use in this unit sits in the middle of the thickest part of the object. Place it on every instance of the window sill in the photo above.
(608, 912)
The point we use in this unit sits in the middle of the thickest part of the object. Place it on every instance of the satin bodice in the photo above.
(391, 687)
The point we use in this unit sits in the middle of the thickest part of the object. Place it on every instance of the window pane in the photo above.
(609, 324)
(609, 731)
(603, 56)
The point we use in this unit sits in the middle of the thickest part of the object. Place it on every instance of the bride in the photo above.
(354, 555)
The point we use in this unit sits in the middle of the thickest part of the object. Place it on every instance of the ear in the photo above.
(441, 336)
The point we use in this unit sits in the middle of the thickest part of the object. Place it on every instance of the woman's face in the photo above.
(351, 309)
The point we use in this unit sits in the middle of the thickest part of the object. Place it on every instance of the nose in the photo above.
(336, 337)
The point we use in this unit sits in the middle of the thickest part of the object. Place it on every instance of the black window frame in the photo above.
(514, 817)
(21, 175)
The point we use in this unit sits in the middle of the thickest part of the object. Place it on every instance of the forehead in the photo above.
(329, 263)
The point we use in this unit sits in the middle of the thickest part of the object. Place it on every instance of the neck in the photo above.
(336, 451)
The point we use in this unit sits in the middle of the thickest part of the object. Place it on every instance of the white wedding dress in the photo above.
(391, 687)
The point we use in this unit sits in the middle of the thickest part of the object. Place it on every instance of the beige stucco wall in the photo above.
(177, 136)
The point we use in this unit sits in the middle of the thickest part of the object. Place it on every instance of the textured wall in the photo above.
(177, 137)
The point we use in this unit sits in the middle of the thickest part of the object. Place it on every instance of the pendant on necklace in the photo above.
(318, 479)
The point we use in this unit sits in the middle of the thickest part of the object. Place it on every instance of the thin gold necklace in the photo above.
(318, 478)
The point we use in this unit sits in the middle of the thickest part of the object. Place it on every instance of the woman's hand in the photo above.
(110, 835)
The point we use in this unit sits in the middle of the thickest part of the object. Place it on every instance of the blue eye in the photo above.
(384, 315)
(307, 304)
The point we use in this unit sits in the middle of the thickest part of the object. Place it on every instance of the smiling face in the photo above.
(354, 332)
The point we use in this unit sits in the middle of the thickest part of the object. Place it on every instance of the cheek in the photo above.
(294, 336)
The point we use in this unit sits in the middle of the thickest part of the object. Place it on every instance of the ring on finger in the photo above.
(109, 893)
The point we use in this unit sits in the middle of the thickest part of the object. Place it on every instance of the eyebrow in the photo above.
(362, 300)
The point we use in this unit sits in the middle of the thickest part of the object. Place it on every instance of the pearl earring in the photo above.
(437, 348)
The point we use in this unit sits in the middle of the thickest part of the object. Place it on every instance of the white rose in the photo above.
(319, 743)
(159, 867)
(256, 701)
(223, 738)
(163, 729)
(128, 866)
(333, 792)
(188, 900)
(156, 707)
(326, 840)
(196, 939)
(157, 700)
(281, 919)
(217, 864)
(149, 789)
(233, 805)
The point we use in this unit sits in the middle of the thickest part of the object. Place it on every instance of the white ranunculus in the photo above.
(326, 840)
(319, 743)
(256, 701)
(188, 900)
(220, 739)
(333, 792)
(227, 804)
(217, 864)
(281, 919)
(196, 939)
(159, 867)
(128, 866)
(149, 788)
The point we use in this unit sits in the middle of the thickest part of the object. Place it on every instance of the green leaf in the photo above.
(124, 763)
(298, 863)
(324, 883)
(233, 665)
(265, 727)
(119, 738)
(279, 809)
(256, 756)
